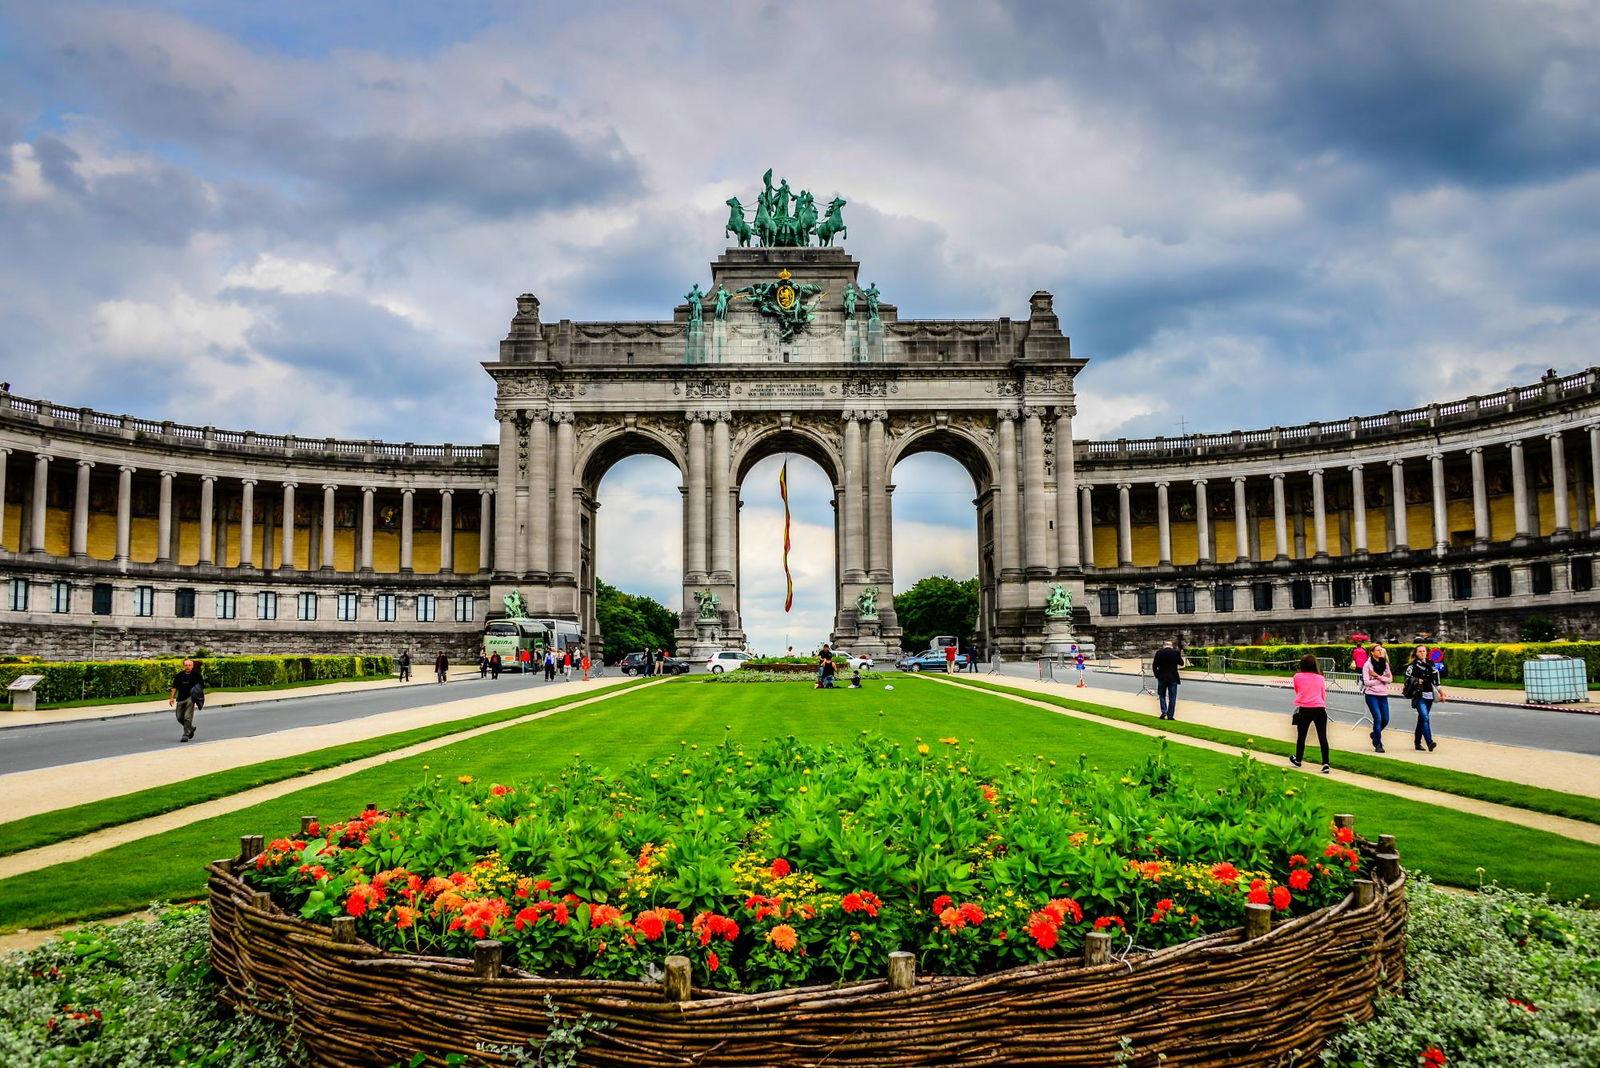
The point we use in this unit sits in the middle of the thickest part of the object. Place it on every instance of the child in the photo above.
(1082, 665)
(1310, 707)
(855, 679)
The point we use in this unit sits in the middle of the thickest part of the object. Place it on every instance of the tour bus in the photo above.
(508, 637)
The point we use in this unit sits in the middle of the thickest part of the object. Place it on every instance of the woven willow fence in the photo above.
(1261, 995)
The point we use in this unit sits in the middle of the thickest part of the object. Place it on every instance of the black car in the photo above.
(633, 664)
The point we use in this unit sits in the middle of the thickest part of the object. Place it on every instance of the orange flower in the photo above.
(1225, 873)
(780, 868)
(972, 913)
(784, 937)
(404, 917)
(952, 919)
(600, 915)
(990, 794)
(499, 791)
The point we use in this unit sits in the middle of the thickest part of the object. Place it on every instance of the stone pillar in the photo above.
(365, 561)
(447, 531)
(1358, 511)
(1202, 522)
(1086, 522)
(721, 483)
(1007, 527)
(5, 456)
(1519, 495)
(1241, 522)
(407, 529)
(1400, 538)
(41, 488)
(247, 522)
(286, 550)
(877, 499)
(1441, 515)
(1068, 546)
(537, 554)
(1124, 525)
(1280, 519)
(694, 504)
(1594, 477)
(80, 511)
(124, 513)
(208, 506)
(853, 569)
(1480, 500)
(164, 519)
(1036, 510)
(1163, 527)
(507, 545)
(329, 495)
(485, 515)
(1558, 486)
(1319, 516)
(566, 502)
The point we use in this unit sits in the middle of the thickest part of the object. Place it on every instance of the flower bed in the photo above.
(750, 674)
(778, 869)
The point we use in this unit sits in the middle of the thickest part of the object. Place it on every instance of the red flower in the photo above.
(650, 925)
(1525, 1006)
(542, 885)
(1258, 893)
(499, 791)
(600, 915)
(712, 962)
(990, 794)
(1344, 835)
(941, 903)
(1300, 878)
(1106, 921)
(1064, 907)
(1433, 1057)
(1043, 928)
(972, 913)
(1280, 898)
(780, 868)
(526, 918)
(362, 896)
(1225, 873)
(861, 901)
(1297, 861)
(952, 918)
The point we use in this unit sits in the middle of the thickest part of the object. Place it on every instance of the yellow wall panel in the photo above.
(1146, 547)
(57, 532)
(12, 538)
(1502, 526)
(1105, 545)
(102, 536)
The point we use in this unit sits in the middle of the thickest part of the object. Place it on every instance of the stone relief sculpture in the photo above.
(1059, 604)
(708, 605)
(867, 603)
(516, 608)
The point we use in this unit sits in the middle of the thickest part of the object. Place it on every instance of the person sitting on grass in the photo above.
(855, 679)
(1310, 708)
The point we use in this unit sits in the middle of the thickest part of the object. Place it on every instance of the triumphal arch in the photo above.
(789, 349)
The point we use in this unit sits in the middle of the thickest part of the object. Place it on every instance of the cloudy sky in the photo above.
(311, 216)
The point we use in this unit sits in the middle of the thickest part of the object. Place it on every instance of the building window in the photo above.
(1382, 589)
(385, 607)
(183, 603)
(466, 611)
(1543, 577)
(1582, 574)
(1421, 587)
(17, 595)
(425, 608)
(61, 597)
(1344, 591)
(1461, 583)
(100, 599)
(266, 605)
(1500, 580)
(305, 606)
(227, 604)
(1109, 602)
(1222, 598)
(1147, 600)
(346, 606)
(144, 600)
(1261, 595)
(1300, 593)
(1185, 600)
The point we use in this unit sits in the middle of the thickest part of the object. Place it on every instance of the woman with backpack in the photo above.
(1310, 709)
(1375, 679)
(1422, 689)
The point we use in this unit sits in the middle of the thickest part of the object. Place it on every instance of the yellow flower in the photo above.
(805, 789)
(463, 780)
(922, 748)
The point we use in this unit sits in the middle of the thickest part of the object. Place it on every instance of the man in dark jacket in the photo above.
(1164, 666)
(186, 685)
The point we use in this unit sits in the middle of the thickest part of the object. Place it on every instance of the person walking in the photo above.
(566, 662)
(549, 665)
(584, 663)
(1165, 666)
(495, 665)
(1310, 710)
(1375, 679)
(405, 665)
(180, 697)
(1422, 687)
(441, 667)
(950, 659)
(1082, 665)
(483, 666)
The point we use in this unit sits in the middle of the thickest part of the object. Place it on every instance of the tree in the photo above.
(630, 622)
(937, 605)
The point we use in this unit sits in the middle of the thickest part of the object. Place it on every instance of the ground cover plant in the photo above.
(66, 682)
(1494, 662)
(786, 864)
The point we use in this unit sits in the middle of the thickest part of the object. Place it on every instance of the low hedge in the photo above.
(1485, 661)
(106, 679)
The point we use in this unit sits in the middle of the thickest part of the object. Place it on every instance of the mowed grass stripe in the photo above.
(1449, 845)
(48, 828)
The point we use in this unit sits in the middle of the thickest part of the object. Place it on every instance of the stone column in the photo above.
(1068, 546)
(329, 510)
(80, 511)
(1594, 477)
(507, 481)
(1358, 511)
(1319, 515)
(1006, 525)
(721, 483)
(853, 569)
(1480, 500)
(1558, 486)
(286, 549)
(1202, 522)
(1241, 522)
(538, 555)
(1441, 514)
(1400, 538)
(485, 515)
(5, 456)
(124, 512)
(447, 531)
(208, 505)
(1163, 527)
(365, 559)
(247, 522)
(877, 498)
(1519, 495)
(694, 503)
(1086, 522)
(566, 503)
(407, 530)
(41, 488)
(1124, 525)
(1280, 518)
(164, 519)
(1036, 511)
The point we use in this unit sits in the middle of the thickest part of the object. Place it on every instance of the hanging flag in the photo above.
(788, 579)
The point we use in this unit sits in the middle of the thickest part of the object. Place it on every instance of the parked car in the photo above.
(633, 664)
(850, 661)
(725, 660)
(929, 661)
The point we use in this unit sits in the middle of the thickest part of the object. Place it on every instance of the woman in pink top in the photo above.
(1310, 707)
(1376, 675)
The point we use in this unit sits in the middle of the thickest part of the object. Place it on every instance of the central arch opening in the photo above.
(813, 554)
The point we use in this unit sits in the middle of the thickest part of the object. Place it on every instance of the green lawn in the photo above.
(1450, 845)
(46, 828)
(1480, 787)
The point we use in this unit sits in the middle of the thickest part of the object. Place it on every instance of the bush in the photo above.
(108, 679)
(1485, 661)
(1539, 629)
